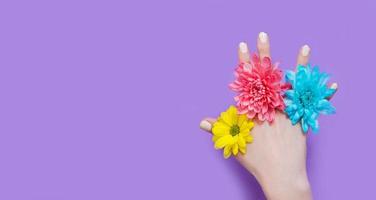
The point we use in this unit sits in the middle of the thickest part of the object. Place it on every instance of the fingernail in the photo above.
(205, 125)
(305, 50)
(263, 37)
(334, 86)
(243, 47)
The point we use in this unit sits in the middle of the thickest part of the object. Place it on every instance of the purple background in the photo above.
(102, 99)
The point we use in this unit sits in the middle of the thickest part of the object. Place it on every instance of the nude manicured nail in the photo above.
(334, 86)
(205, 125)
(243, 47)
(263, 37)
(305, 50)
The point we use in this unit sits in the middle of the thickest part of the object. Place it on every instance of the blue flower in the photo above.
(308, 97)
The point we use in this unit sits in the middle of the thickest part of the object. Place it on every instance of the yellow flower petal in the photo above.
(235, 140)
(243, 149)
(233, 112)
(249, 139)
(247, 126)
(230, 116)
(235, 149)
(242, 119)
(223, 141)
(220, 129)
(222, 137)
(227, 151)
(215, 138)
(241, 142)
(244, 133)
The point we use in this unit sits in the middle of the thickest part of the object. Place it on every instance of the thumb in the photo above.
(207, 124)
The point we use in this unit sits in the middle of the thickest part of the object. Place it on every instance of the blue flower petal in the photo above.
(296, 117)
(314, 124)
(307, 99)
(288, 102)
(291, 109)
(290, 94)
(307, 112)
(290, 77)
(323, 79)
(325, 107)
(314, 116)
(329, 92)
(301, 67)
(304, 125)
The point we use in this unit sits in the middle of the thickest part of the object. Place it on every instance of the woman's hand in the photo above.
(277, 156)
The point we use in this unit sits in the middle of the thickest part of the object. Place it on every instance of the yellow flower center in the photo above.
(234, 130)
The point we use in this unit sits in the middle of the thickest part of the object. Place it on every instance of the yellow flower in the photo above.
(231, 132)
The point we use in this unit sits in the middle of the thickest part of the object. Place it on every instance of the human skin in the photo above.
(277, 155)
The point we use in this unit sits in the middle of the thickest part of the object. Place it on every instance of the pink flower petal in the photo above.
(259, 88)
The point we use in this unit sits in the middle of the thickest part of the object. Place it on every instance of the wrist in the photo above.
(285, 187)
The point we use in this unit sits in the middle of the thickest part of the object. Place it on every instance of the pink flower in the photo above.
(259, 88)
